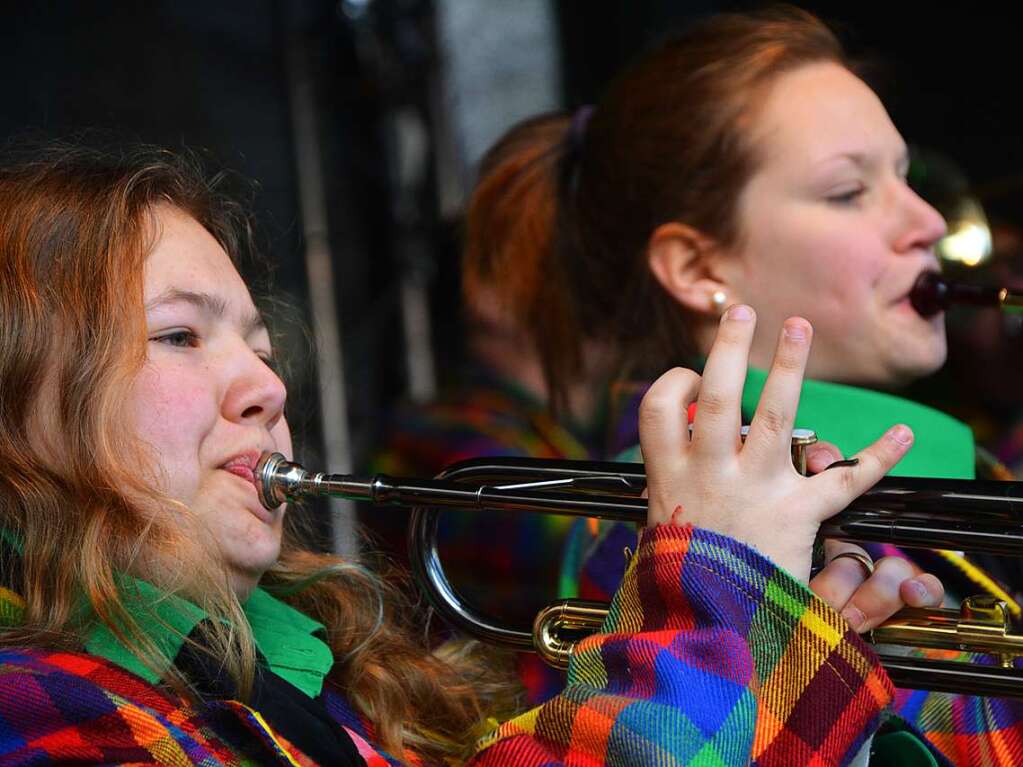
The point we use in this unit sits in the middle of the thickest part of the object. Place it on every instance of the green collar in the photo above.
(290, 641)
(852, 418)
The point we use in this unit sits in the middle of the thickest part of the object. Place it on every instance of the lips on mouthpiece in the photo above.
(242, 471)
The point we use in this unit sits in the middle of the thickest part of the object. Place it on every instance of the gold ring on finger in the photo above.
(864, 561)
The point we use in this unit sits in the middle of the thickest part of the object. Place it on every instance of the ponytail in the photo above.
(560, 223)
(516, 233)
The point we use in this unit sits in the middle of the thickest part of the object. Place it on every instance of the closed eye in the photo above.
(184, 339)
(847, 197)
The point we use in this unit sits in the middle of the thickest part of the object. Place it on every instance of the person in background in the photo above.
(741, 162)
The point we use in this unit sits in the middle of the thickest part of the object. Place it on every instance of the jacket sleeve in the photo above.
(710, 655)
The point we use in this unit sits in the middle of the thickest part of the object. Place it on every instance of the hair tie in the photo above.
(577, 128)
(576, 137)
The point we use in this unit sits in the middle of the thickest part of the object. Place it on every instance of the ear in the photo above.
(682, 260)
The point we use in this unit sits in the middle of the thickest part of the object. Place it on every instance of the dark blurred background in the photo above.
(359, 124)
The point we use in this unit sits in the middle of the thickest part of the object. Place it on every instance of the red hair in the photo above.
(75, 229)
(561, 218)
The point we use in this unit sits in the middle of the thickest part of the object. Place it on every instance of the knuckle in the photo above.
(829, 589)
(789, 360)
(894, 567)
(714, 402)
(651, 419)
(847, 482)
(870, 466)
(664, 395)
(772, 419)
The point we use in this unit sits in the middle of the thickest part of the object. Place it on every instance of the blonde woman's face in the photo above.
(832, 232)
(207, 400)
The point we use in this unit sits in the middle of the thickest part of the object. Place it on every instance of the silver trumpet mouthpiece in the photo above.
(279, 480)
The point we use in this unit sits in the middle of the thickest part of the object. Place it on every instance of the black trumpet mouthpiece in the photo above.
(932, 293)
(929, 294)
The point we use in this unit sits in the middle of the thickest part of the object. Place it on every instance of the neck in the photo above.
(510, 355)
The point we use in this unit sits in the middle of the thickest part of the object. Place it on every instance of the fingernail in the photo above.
(854, 617)
(919, 590)
(740, 312)
(901, 434)
(795, 332)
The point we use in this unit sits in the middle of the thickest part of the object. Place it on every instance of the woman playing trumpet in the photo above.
(155, 613)
(743, 162)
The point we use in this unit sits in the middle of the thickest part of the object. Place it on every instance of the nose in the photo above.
(921, 226)
(255, 393)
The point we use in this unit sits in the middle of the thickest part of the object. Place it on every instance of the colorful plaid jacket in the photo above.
(483, 416)
(967, 730)
(491, 419)
(710, 655)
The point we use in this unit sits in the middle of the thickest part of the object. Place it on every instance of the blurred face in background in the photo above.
(830, 231)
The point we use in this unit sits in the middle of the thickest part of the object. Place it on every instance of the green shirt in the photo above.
(852, 418)
(291, 641)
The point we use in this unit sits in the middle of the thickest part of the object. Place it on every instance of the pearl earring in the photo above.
(718, 298)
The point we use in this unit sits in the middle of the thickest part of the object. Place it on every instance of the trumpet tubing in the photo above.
(963, 515)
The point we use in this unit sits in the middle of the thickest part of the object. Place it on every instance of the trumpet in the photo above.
(932, 293)
(967, 515)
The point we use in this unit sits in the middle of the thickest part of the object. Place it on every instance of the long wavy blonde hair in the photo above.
(75, 229)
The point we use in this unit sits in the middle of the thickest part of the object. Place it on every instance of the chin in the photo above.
(245, 577)
(917, 363)
(253, 561)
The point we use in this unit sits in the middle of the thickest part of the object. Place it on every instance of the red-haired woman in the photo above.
(743, 162)
(153, 612)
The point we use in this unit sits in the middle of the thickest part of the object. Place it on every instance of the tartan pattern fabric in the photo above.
(687, 672)
(483, 417)
(73, 707)
(711, 656)
(521, 554)
(965, 729)
(68, 707)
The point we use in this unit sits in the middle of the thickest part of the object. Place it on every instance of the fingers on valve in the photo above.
(820, 455)
(854, 477)
(718, 416)
(776, 412)
(844, 573)
(881, 595)
(663, 420)
(922, 590)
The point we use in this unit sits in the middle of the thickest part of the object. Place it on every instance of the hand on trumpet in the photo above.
(867, 593)
(747, 490)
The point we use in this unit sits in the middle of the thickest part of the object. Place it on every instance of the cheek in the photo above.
(171, 414)
(281, 434)
(816, 266)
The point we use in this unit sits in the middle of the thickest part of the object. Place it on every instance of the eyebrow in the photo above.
(207, 303)
(861, 160)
